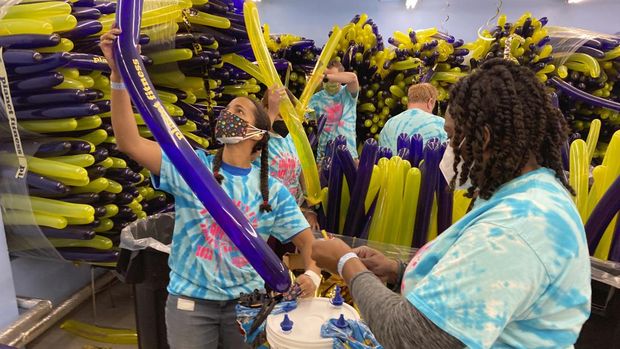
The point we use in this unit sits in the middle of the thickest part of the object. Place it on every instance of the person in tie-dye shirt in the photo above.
(339, 105)
(207, 271)
(512, 273)
(284, 163)
(417, 119)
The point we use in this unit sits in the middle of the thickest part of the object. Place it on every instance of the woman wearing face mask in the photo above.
(512, 273)
(208, 273)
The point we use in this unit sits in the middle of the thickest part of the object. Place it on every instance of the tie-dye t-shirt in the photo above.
(513, 273)
(284, 164)
(204, 263)
(412, 121)
(341, 113)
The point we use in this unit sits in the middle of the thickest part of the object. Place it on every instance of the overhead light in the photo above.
(411, 4)
(574, 1)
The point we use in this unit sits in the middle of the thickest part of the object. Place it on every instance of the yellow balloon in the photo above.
(114, 187)
(88, 123)
(70, 84)
(80, 220)
(71, 73)
(579, 175)
(592, 140)
(50, 126)
(56, 169)
(62, 22)
(107, 163)
(100, 334)
(105, 224)
(408, 63)
(95, 186)
(81, 160)
(373, 187)
(209, 20)
(98, 242)
(65, 45)
(25, 26)
(111, 210)
(40, 9)
(167, 96)
(86, 80)
(96, 137)
(319, 69)
(410, 200)
(172, 55)
(14, 217)
(265, 64)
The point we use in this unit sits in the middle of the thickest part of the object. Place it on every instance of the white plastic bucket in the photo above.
(307, 318)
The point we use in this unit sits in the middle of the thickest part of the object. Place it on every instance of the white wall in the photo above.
(315, 18)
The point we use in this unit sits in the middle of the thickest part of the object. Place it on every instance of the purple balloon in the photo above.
(430, 171)
(191, 168)
(49, 113)
(403, 153)
(82, 13)
(576, 93)
(83, 29)
(70, 232)
(614, 253)
(416, 150)
(348, 165)
(84, 254)
(445, 200)
(403, 141)
(86, 61)
(45, 184)
(601, 216)
(355, 215)
(21, 57)
(40, 82)
(49, 62)
(25, 41)
(334, 194)
(443, 36)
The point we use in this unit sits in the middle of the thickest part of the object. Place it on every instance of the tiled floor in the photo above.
(114, 310)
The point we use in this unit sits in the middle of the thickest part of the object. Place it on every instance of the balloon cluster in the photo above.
(367, 202)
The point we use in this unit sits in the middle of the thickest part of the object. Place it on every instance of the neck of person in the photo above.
(421, 106)
(238, 155)
(531, 165)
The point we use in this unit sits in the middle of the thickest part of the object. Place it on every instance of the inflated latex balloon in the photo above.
(265, 63)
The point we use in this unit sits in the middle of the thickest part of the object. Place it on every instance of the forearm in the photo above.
(123, 121)
(128, 139)
(303, 241)
(342, 77)
(394, 321)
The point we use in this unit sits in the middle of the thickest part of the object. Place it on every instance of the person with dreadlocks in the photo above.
(208, 272)
(512, 273)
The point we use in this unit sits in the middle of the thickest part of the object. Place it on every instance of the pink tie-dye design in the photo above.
(333, 113)
(284, 168)
(217, 244)
(414, 261)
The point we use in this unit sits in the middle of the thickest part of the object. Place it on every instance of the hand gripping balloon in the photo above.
(265, 63)
(195, 173)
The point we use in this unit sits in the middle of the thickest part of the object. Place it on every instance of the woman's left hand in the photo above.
(327, 253)
(307, 286)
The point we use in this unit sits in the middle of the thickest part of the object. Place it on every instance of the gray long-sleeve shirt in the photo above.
(395, 322)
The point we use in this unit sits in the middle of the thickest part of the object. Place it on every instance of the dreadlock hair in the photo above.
(510, 101)
(262, 122)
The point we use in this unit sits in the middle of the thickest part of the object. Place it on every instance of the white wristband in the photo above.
(343, 260)
(316, 278)
(117, 85)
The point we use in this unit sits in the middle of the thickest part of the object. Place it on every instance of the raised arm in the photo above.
(128, 139)
(348, 78)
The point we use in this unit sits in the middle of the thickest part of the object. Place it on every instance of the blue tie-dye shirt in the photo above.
(513, 273)
(284, 164)
(341, 113)
(412, 121)
(204, 263)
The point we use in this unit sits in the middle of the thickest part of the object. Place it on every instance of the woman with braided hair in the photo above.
(512, 273)
(208, 272)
